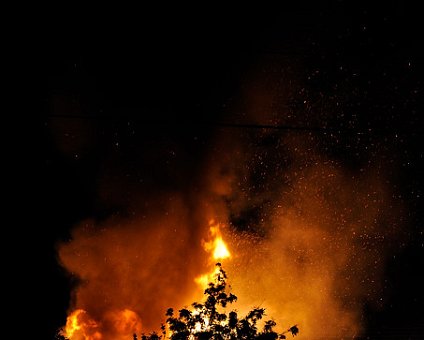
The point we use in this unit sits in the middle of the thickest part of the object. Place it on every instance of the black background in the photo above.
(170, 70)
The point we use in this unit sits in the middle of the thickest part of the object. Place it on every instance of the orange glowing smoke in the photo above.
(309, 237)
(321, 257)
(124, 323)
(308, 243)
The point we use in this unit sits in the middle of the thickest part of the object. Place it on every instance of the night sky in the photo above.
(143, 92)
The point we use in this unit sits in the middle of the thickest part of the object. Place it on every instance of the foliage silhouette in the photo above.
(205, 321)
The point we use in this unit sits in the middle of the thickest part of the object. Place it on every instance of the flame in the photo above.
(219, 251)
(80, 326)
(123, 323)
(318, 247)
(310, 231)
(217, 246)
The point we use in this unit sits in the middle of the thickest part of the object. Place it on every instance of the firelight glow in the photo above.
(218, 250)
(217, 245)
(80, 326)
(221, 251)
(318, 245)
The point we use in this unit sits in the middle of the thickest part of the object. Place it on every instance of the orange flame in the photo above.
(123, 323)
(219, 251)
(216, 246)
(81, 326)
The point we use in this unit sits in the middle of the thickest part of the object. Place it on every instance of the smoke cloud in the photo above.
(308, 234)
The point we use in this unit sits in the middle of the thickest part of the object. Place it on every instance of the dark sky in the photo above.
(139, 81)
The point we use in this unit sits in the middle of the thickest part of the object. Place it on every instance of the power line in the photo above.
(131, 118)
(281, 127)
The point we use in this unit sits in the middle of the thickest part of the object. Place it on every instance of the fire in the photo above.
(219, 251)
(216, 246)
(72, 323)
(121, 324)
(80, 326)
(317, 250)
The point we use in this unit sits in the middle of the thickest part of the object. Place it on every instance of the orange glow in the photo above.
(203, 280)
(122, 323)
(72, 323)
(79, 326)
(221, 251)
(218, 250)
(312, 254)
(216, 246)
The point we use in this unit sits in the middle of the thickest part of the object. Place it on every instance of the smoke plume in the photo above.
(308, 234)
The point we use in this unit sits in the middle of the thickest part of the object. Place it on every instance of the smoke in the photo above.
(141, 264)
(308, 235)
(321, 252)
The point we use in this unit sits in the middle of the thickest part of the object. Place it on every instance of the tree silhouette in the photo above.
(206, 321)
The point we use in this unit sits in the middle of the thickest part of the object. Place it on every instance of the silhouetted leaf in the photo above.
(169, 312)
(294, 330)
